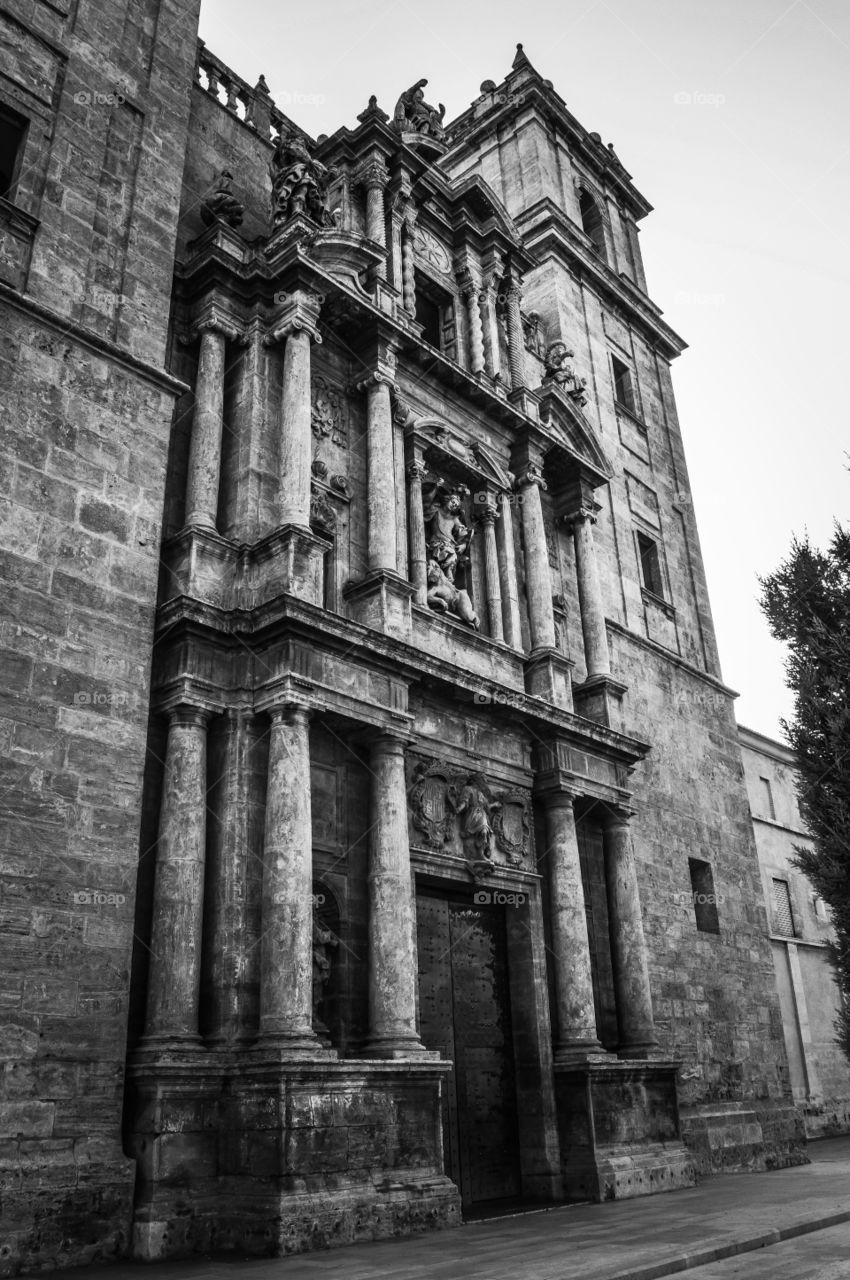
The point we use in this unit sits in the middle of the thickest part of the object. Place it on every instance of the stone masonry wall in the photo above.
(87, 410)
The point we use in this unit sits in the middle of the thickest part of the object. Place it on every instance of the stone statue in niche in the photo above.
(324, 941)
(448, 537)
(414, 115)
(559, 370)
(220, 204)
(475, 807)
(299, 183)
(445, 597)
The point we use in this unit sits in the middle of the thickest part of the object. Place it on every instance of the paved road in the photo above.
(825, 1255)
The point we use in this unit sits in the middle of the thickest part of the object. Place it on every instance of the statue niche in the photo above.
(299, 183)
(447, 542)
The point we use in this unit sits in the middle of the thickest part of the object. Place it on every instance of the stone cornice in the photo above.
(287, 616)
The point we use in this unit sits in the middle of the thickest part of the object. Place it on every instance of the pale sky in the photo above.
(733, 120)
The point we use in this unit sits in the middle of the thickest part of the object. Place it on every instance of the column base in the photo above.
(382, 601)
(600, 698)
(581, 1051)
(397, 1050)
(548, 675)
(642, 1050)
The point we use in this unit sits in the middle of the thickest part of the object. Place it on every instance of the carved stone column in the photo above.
(374, 177)
(298, 329)
(489, 322)
(508, 572)
(392, 965)
(487, 520)
(628, 944)
(590, 595)
(207, 424)
(408, 264)
(286, 948)
(516, 342)
(538, 581)
(174, 974)
(381, 522)
(416, 530)
(576, 1015)
(471, 291)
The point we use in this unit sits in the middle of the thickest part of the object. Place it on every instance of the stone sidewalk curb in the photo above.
(688, 1261)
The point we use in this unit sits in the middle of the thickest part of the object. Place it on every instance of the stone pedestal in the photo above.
(382, 601)
(619, 1130)
(250, 1153)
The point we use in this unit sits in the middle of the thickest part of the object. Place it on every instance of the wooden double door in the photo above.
(465, 1013)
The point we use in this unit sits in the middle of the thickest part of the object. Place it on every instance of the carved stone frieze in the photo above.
(329, 414)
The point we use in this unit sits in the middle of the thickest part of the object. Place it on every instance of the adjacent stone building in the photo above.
(801, 934)
(370, 782)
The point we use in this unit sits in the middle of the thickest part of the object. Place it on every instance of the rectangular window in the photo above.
(703, 895)
(623, 391)
(650, 565)
(767, 798)
(783, 918)
(434, 312)
(13, 129)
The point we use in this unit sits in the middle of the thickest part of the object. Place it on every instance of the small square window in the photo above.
(783, 917)
(650, 565)
(623, 391)
(703, 896)
(13, 130)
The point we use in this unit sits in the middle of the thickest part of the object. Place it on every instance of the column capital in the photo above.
(417, 469)
(376, 378)
(587, 513)
(372, 174)
(617, 816)
(556, 797)
(189, 713)
(213, 319)
(299, 312)
(388, 742)
(531, 474)
(291, 712)
(486, 512)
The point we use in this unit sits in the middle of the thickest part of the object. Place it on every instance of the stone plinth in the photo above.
(314, 1154)
(739, 1137)
(619, 1130)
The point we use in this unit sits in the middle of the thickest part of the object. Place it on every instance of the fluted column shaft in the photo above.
(516, 344)
(207, 425)
(416, 531)
(392, 966)
(286, 955)
(295, 436)
(538, 582)
(487, 520)
(628, 944)
(508, 573)
(573, 974)
(591, 607)
(174, 974)
(381, 517)
(487, 303)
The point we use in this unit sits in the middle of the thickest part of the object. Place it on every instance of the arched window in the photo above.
(591, 221)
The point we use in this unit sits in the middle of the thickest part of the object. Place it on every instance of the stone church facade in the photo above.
(377, 843)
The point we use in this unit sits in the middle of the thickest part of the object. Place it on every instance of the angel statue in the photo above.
(448, 537)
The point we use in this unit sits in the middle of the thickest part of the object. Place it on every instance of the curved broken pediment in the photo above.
(574, 440)
(473, 461)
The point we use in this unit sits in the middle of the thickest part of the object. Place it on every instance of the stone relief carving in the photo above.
(414, 115)
(329, 413)
(220, 204)
(429, 248)
(299, 183)
(511, 825)
(560, 371)
(533, 333)
(322, 513)
(450, 806)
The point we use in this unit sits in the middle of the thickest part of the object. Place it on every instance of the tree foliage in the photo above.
(807, 604)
